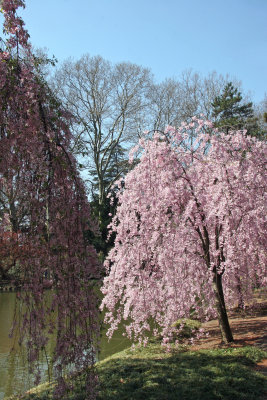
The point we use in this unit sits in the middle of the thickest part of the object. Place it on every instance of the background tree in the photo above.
(107, 102)
(261, 113)
(118, 168)
(44, 207)
(111, 104)
(183, 227)
(231, 113)
(176, 100)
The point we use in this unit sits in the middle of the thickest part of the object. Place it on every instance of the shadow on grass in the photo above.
(151, 374)
(205, 375)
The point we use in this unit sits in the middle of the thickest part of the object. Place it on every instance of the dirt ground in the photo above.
(247, 331)
(249, 328)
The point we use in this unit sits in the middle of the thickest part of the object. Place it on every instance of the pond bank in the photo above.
(153, 374)
(204, 371)
(14, 377)
(9, 286)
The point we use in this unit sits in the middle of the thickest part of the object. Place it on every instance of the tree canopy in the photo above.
(191, 230)
(232, 113)
(44, 211)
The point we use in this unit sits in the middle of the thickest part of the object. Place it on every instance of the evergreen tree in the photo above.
(104, 210)
(231, 113)
(116, 167)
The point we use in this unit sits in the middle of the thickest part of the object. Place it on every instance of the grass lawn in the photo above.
(152, 374)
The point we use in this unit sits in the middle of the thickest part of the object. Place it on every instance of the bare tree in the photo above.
(113, 104)
(107, 102)
(165, 104)
(177, 100)
(261, 114)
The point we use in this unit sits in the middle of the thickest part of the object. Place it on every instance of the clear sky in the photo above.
(167, 36)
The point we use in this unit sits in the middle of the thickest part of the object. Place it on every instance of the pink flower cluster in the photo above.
(193, 209)
(48, 211)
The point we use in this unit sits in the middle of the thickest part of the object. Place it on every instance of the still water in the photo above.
(14, 377)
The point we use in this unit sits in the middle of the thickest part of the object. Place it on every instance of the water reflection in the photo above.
(14, 374)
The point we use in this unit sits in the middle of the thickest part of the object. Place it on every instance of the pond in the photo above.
(14, 377)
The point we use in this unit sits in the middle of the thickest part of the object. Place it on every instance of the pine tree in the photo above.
(231, 113)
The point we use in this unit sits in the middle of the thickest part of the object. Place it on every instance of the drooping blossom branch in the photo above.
(43, 205)
(190, 230)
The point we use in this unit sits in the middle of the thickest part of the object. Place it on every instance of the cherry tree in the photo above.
(190, 230)
(44, 212)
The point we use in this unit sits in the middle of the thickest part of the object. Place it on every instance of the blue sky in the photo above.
(167, 36)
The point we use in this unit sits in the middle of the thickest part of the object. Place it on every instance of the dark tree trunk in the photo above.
(221, 309)
(3, 274)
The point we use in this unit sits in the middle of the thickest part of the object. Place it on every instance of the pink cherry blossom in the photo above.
(190, 231)
(48, 213)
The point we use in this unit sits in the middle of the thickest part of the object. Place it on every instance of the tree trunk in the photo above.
(221, 309)
(100, 200)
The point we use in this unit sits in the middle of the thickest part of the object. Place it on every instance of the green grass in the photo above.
(151, 374)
